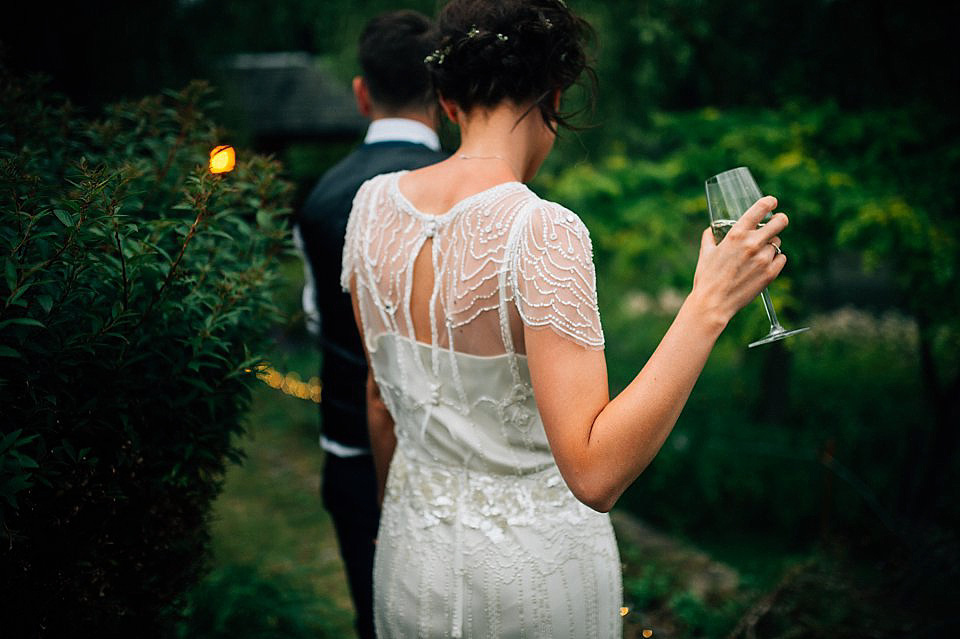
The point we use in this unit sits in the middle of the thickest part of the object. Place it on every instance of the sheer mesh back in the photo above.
(501, 258)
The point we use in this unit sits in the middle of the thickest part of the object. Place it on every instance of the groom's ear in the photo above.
(361, 92)
(557, 95)
(449, 108)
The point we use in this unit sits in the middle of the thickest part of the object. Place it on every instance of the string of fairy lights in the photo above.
(290, 383)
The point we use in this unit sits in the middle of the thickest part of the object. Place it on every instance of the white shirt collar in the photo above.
(401, 130)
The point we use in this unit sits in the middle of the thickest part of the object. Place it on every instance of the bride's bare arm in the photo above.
(383, 439)
(602, 445)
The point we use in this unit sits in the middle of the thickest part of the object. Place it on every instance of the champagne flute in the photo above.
(729, 195)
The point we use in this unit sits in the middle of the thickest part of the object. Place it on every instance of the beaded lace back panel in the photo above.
(550, 272)
(479, 535)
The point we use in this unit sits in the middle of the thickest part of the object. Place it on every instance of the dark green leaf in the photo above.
(19, 293)
(10, 267)
(9, 439)
(25, 461)
(68, 447)
(45, 302)
(65, 218)
(6, 351)
(23, 321)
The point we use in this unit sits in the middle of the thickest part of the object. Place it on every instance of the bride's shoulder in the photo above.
(380, 183)
(373, 193)
(547, 213)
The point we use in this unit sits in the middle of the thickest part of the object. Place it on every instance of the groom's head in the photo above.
(395, 81)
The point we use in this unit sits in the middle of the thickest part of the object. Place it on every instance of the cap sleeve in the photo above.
(352, 245)
(555, 283)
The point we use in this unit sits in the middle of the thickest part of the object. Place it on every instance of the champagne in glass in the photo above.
(729, 195)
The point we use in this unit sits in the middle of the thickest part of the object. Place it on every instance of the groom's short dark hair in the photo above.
(391, 51)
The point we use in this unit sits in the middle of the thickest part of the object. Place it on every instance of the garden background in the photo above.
(810, 488)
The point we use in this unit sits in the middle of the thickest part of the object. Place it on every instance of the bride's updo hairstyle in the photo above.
(516, 50)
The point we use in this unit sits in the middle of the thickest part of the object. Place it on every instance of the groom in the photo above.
(394, 92)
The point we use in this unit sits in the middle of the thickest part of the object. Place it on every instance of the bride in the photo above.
(488, 391)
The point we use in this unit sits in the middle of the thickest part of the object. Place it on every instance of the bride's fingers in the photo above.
(755, 214)
(774, 226)
(707, 241)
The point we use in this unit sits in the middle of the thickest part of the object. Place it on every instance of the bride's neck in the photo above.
(504, 137)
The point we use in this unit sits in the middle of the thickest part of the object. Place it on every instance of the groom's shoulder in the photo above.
(388, 157)
(342, 180)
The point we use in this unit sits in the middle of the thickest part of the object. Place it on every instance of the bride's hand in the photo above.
(731, 274)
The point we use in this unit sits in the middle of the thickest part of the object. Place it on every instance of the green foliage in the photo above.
(663, 593)
(135, 297)
(855, 181)
(237, 602)
(650, 589)
(658, 55)
(876, 185)
(651, 54)
(700, 619)
(873, 222)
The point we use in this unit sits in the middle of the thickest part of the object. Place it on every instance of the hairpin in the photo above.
(437, 56)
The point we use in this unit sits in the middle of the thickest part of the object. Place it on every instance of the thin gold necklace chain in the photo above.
(464, 156)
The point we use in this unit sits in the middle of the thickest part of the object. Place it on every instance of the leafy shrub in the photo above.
(751, 452)
(663, 591)
(236, 602)
(135, 295)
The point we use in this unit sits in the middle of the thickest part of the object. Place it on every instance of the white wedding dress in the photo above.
(479, 536)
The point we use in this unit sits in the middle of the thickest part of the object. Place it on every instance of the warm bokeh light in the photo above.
(647, 633)
(290, 383)
(222, 159)
(624, 611)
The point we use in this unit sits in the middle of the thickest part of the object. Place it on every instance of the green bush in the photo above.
(238, 602)
(871, 205)
(135, 297)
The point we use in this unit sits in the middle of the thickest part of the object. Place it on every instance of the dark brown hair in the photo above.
(391, 51)
(519, 50)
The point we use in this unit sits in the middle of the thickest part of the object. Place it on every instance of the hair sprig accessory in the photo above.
(475, 32)
(438, 56)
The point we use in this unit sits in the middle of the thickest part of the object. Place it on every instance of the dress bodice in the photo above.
(502, 258)
(486, 422)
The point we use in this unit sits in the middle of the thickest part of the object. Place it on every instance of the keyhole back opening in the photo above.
(422, 290)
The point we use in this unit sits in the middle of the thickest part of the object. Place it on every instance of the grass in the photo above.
(270, 518)
(276, 569)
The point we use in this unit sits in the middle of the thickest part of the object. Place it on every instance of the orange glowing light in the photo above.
(647, 633)
(222, 159)
(624, 611)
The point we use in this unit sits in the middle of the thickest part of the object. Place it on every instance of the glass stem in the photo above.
(771, 314)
